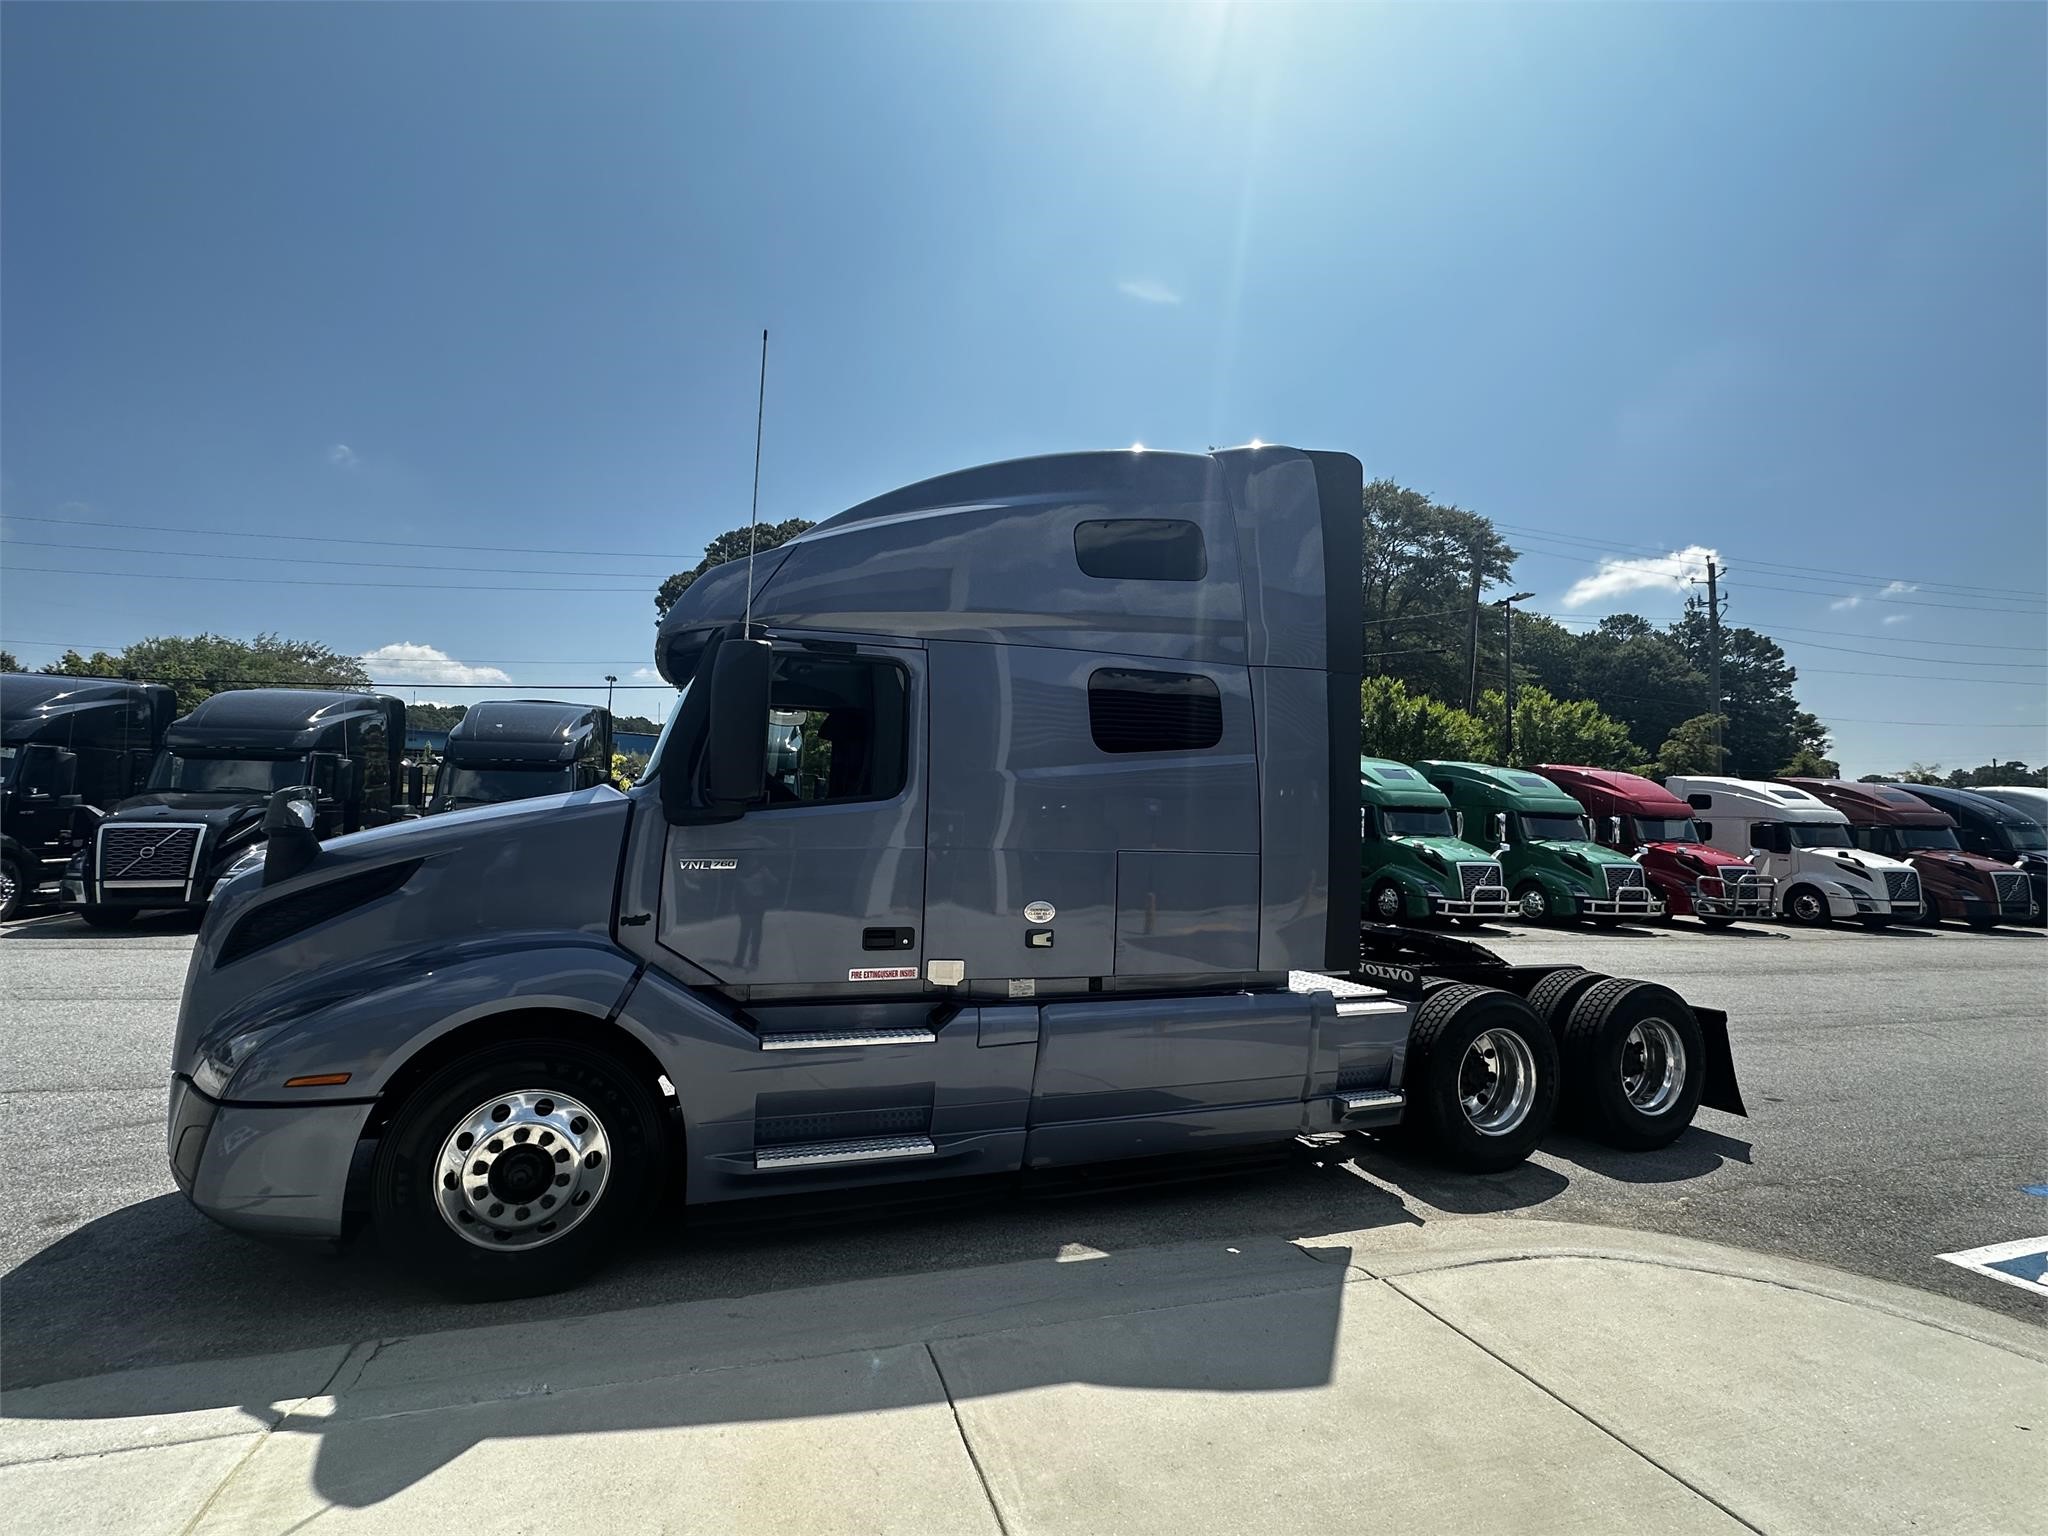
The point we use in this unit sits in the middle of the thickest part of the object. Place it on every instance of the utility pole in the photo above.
(1715, 707)
(1472, 644)
(1507, 607)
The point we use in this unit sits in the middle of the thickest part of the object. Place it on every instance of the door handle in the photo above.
(888, 938)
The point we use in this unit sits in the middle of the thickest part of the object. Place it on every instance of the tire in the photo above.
(15, 887)
(550, 1087)
(109, 917)
(1533, 905)
(1384, 894)
(1634, 1064)
(1553, 997)
(1808, 907)
(1477, 1055)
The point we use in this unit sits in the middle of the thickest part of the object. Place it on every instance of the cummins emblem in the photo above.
(1039, 912)
(694, 866)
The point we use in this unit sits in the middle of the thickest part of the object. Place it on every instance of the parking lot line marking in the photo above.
(2035, 1189)
(2023, 1263)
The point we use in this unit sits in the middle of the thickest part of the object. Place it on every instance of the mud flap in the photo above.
(1719, 1090)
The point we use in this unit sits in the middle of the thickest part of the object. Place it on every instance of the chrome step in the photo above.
(826, 1039)
(1374, 1098)
(865, 1149)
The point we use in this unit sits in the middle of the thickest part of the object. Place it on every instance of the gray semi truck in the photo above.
(1065, 872)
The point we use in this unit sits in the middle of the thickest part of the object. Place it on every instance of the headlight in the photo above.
(252, 858)
(1432, 887)
(219, 1063)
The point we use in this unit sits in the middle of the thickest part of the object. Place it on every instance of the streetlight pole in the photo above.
(1507, 607)
(609, 679)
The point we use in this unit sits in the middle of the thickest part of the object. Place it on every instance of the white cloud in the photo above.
(1147, 290)
(404, 662)
(1889, 590)
(1853, 600)
(1897, 618)
(341, 456)
(1898, 589)
(646, 675)
(1647, 573)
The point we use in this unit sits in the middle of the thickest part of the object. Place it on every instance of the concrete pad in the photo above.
(164, 1405)
(1343, 1408)
(771, 1448)
(151, 1492)
(1798, 1411)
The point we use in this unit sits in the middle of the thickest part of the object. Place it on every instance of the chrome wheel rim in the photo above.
(1389, 902)
(1533, 904)
(6, 886)
(522, 1169)
(1497, 1082)
(1806, 906)
(1653, 1066)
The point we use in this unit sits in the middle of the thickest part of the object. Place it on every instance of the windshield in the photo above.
(6, 765)
(1410, 822)
(2030, 837)
(1925, 837)
(1818, 834)
(1554, 829)
(227, 775)
(488, 786)
(1666, 829)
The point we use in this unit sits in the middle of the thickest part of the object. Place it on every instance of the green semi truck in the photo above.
(1414, 866)
(1554, 869)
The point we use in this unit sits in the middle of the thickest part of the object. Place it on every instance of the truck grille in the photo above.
(1621, 876)
(1472, 876)
(157, 855)
(2012, 889)
(1902, 885)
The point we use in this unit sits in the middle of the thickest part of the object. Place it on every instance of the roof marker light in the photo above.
(1137, 447)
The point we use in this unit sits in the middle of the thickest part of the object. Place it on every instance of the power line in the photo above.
(1975, 645)
(389, 565)
(324, 538)
(1775, 565)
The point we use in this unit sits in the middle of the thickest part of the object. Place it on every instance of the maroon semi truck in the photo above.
(1961, 887)
(1639, 816)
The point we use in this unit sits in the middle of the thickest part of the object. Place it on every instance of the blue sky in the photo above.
(1771, 281)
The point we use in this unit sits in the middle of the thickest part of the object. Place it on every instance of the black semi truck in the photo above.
(203, 808)
(71, 748)
(514, 749)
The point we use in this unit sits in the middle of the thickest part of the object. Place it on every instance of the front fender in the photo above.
(368, 1023)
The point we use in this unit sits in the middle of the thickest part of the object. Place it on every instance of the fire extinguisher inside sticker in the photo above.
(884, 973)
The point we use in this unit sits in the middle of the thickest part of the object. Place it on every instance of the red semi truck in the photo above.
(1639, 816)
(1961, 887)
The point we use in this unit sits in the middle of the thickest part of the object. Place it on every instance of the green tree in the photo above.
(434, 717)
(638, 724)
(1689, 749)
(1923, 773)
(1419, 559)
(1809, 764)
(1553, 730)
(730, 545)
(1637, 674)
(1765, 725)
(198, 666)
(1411, 726)
(9, 662)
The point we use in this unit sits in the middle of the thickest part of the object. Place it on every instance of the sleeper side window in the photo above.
(1134, 711)
(837, 729)
(1141, 549)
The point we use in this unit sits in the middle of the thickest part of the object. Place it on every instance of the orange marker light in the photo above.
(318, 1080)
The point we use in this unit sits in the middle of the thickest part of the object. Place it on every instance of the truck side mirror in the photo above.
(323, 770)
(716, 762)
(44, 771)
(415, 782)
(1614, 831)
(289, 841)
(1500, 827)
(1458, 824)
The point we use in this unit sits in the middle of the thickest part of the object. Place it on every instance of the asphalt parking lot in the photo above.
(1894, 1083)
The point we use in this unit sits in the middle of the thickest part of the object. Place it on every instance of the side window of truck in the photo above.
(1141, 549)
(376, 765)
(837, 729)
(1134, 711)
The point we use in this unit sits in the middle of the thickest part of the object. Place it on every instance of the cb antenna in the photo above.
(754, 516)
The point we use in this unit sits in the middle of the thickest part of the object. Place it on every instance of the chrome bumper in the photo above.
(1485, 901)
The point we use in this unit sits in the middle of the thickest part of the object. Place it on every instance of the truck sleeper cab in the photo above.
(1414, 866)
(71, 748)
(1061, 870)
(1954, 885)
(510, 749)
(1992, 827)
(1642, 819)
(1805, 845)
(1555, 871)
(208, 790)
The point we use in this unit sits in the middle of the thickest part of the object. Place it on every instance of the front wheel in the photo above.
(14, 886)
(1808, 907)
(513, 1172)
(1481, 1077)
(1533, 902)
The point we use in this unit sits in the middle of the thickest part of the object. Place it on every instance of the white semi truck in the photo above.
(1805, 845)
